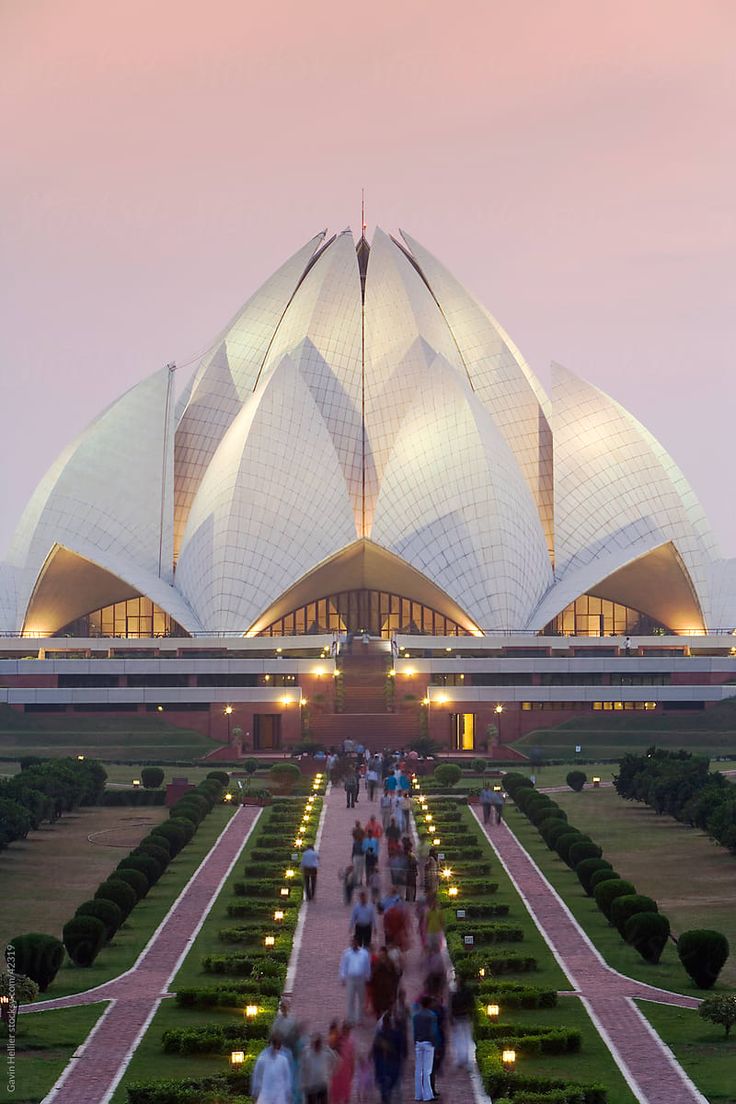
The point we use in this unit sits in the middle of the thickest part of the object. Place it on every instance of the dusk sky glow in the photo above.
(573, 164)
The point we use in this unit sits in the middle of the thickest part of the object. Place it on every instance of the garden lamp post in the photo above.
(228, 711)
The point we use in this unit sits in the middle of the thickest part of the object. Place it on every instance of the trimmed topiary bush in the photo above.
(137, 881)
(188, 829)
(84, 937)
(220, 776)
(146, 864)
(36, 955)
(447, 774)
(623, 908)
(605, 893)
(583, 850)
(576, 779)
(173, 834)
(160, 854)
(602, 875)
(703, 953)
(586, 868)
(120, 893)
(157, 841)
(553, 830)
(648, 932)
(152, 777)
(564, 842)
(108, 912)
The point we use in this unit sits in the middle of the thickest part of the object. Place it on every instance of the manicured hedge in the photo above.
(513, 994)
(84, 937)
(138, 882)
(37, 956)
(587, 868)
(623, 908)
(605, 894)
(108, 912)
(120, 893)
(648, 932)
(221, 1039)
(605, 874)
(234, 995)
(703, 953)
(230, 1087)
(583, 850)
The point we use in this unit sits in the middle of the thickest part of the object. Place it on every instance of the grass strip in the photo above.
(701, 1048)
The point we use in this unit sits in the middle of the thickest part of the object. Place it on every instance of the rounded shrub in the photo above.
(703, 953)
(581, 851)
(576, 779)
(564, 842)
(37, 956)
(524, 796)
(84, 937)
(157, 841)
(250, 766)
(160, 854)
(446, 774)
(514, 780)
(173, 834)
(152, 777)
(137, 881)
(146, 864)
(553, 830)
(623, 908)
(537, 811)
(478, 766)
(586, 868)
(603, 875)
(188, 829)
(220, 776)
(108, 912)
(647, 932)
(191, 813)
(605, 893)
(119, 892)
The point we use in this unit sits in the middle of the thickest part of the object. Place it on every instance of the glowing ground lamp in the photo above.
(453, 891)
(269, 941)
(251, 1011)
(237, 1057)
(80, 758)
(228, 797)
(278, 915)
(508, 1057)
(284, 891)
(596, 781)
(436, 841)
(492, 1011)
(289, 873)
(482, 972)
(447, 872)
(136, 783)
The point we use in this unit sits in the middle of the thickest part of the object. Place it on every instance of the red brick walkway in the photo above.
(649, 1067)
(318, 997)
(92, 1076)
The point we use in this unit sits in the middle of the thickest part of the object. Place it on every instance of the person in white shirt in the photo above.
(270, 1081)
(355, 969)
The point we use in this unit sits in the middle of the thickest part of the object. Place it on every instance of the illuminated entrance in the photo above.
(377, 612)
(463, 730)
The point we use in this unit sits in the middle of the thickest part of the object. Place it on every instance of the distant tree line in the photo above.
(43, 790)
(681, 785)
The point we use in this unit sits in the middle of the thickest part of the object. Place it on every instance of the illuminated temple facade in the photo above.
(364, 450)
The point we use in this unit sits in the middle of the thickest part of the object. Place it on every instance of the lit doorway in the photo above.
(266, 731)
(463, 728)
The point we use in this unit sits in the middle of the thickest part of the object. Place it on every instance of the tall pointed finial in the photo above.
(362, 213)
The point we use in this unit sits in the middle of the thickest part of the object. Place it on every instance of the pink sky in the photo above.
(572, 162)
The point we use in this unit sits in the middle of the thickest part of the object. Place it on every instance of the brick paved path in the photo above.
(318, 997)
(651, 1070)
(92, 1077)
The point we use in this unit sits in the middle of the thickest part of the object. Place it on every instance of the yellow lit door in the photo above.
(464, 731)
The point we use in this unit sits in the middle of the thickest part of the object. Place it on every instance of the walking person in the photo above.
(386, 805)
(350, 785)
(424, 1024)
(270, 1082)
(384, 983)
(370, 854)
(388, 1057)
(371, 782)
(362, 920)
(317, 1065)
(462, 1006)
(342, 1079)
(357, 854)
(347, 877)
(486, 801)
(438, 1057)
(310, 866)
(498, 805)
(405, 813)
(412, 870)
(355, 968)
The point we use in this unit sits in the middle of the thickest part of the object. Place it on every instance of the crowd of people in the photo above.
(390, 897)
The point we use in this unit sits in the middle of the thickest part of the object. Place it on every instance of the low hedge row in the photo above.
(513, 994)
(533, 1040)
(232, 1087)
(233, 995)
(220, 1039)
(519, 1086)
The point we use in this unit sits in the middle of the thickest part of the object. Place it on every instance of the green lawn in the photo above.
(668, 974)
(705, 1054)
(132, 937)
(691, 878)
(594, 1062)
(45, 1042)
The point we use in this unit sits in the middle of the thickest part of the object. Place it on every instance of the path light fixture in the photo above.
(269, 940)
(497, 789)
(284, 891)
(289, 872)
(136, 783)
(447, 872)
(453, 891)
(492, 1010)
(436, 841)
(80, 758)
(596, 781)
(251, 1011)
(228, 797)
(508, 1057)
(237, 1057)
(278, 915)
(482, 972)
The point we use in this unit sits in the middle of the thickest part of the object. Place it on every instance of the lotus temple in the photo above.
(363, 511)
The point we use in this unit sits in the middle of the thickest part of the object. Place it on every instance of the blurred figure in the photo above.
(388, 1054)
(462, 1007)
(270, 1081)
(317, 1065)
(342, 1079)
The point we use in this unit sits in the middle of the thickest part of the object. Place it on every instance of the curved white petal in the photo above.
(110, 490)
(272, 505)
(227, 375)
(500, 377)
(615, 486)
(454, 504)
